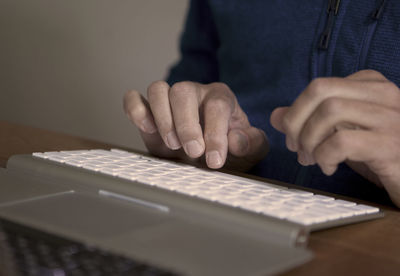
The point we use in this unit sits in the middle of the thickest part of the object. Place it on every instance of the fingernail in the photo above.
(310, 159)
(193, 148)
(291, 145)
(301, 158)
(172, 141)
(213, 159)
(148, 126)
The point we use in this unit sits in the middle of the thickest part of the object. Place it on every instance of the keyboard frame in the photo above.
(17, 163)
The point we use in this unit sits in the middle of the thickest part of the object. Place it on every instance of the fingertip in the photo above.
(301, 158)
(156, 87)
(305, 159)
(276, 118)
(290, 144)
(214, 159)
(193, 149)
(328, 170)
(172, 141)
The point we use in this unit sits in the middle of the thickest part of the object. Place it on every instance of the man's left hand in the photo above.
(354, 119)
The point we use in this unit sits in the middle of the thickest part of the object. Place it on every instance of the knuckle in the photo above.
(221, 87)
(317, 87)
(371, 73)
(390, 87)
(340, 140)
(222, 90)
(182, 88)
(391, 93)
(187, 130)
(331, 106)
(218, 104)
(212, 137)
(156, 88)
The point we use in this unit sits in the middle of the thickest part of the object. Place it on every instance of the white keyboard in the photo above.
(290, 204)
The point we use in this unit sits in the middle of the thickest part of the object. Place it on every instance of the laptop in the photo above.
(142, 215)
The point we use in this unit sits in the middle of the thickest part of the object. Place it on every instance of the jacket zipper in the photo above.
(303, 175)
(321, 69)
(376, 15)
(333, 9)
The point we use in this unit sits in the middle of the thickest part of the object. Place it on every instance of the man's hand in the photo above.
(354, 119)
(191, 120)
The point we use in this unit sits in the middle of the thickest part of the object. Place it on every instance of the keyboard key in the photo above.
(323, 198)
(346, 203)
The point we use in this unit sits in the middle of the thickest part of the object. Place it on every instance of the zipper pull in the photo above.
(333, 9)
(379, 10)
(325, 38)
(334, 6)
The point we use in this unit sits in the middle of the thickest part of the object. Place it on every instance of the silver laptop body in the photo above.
(186, 235)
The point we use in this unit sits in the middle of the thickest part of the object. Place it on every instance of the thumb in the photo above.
(250, 143)
(277, 116)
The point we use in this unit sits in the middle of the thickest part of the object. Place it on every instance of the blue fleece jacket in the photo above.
(267, 51)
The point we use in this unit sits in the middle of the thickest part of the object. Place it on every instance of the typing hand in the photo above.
(354, 119)
(190, 120)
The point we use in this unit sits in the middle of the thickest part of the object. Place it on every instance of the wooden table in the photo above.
(368, 248)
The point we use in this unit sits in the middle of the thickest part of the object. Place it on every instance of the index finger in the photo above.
(277, 116)
(219, 105)
(185, 102)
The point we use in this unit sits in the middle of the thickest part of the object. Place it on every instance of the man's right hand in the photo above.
(191, 120)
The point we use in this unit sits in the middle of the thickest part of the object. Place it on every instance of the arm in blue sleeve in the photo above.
(198, 47)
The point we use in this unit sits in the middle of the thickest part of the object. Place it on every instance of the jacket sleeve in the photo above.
(198, 47)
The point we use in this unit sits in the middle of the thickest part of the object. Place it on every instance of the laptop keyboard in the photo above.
(294, 205)
(37, 253)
